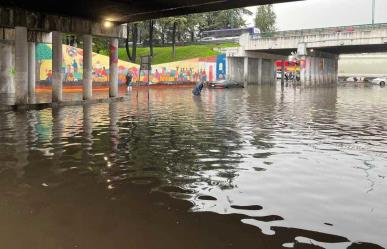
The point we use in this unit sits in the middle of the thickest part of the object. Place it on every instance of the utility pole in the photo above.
(373, 12)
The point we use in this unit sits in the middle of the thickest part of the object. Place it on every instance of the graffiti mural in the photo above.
(187, 71)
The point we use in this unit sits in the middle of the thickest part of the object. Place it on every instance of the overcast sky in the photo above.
(325, 13)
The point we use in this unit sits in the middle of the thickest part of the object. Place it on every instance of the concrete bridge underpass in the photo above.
(23, 23)
(318, 51)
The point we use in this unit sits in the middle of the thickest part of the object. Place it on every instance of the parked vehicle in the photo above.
(380, 81)
(207, 39)
(225, 84)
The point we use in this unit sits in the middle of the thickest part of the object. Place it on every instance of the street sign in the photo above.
(146, 63)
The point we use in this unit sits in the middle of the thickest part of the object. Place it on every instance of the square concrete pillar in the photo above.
(324, 70)
(31, 71)
(21, 65)
(315, 71)
(336, 70)
(321, 71)
(282, 72)
(273, 72)
(260, 71)
(307, 70)
(329, 71)
(7, 85)
(252, 77)
(113, 69)
(245, 69)
(87, 67)
(57, 74)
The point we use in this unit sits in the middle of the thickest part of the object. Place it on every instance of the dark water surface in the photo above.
(239, 168)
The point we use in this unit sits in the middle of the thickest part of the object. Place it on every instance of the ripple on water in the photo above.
(289, 162)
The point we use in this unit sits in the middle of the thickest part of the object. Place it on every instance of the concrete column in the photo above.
(321, 70)
(316, 71)
(260, 71)
(307, 71)
(113, 70)
(282, 72)
(330, 71)
(273, 79)
(324, 70)
(336, 70)
(7, 85)
(57, 75)
(31, 72)
(302, 70)
(228, 65)
(87, 67)
(245, 69)
(312, 71)
(21, 65)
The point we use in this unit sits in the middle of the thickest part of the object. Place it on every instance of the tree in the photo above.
(265, 18)
(134, 40)
(224, 19)
(100, 45)
(151, 29)
(176, 23)
(192, 25)
(162, 27)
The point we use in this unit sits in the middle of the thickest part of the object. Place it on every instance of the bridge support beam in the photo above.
(306, 70)
(113, 69)
(313, 68)
(235, 69)
(282, 72)
(319, 70)
(21, 65)
(7, 85)
(245, 70)
(253, 73)
(57, 75)
(260, 70)
(31, 72)
(87, 67)
(273, 78)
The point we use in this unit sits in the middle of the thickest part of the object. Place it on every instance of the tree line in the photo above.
(189, 28)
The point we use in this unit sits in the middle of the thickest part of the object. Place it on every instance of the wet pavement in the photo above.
(238, 168)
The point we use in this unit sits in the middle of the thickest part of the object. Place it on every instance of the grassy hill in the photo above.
(164, 54)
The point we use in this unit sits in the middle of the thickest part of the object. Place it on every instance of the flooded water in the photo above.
(239, 168)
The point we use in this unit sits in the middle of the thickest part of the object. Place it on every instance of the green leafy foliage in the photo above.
(265, 18)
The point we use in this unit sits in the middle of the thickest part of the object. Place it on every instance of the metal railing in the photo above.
(320, 31)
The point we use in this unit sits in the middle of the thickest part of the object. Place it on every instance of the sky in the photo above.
(325, 13)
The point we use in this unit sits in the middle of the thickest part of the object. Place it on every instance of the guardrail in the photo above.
(320, 31)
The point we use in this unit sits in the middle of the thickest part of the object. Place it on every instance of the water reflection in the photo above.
(258, 167)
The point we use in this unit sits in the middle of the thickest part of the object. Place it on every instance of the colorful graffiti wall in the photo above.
(192, 70)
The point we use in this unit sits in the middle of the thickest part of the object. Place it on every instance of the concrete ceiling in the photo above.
(129, 10)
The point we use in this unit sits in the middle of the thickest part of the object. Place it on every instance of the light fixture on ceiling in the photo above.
(107, 24)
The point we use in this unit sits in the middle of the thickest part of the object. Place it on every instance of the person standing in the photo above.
(129, 77)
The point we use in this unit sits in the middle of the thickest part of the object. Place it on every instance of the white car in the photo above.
(380, 81)
(206, 39)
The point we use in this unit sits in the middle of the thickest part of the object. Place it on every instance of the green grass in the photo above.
(164, 54)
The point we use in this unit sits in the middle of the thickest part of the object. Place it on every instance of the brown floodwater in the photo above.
(239, 168)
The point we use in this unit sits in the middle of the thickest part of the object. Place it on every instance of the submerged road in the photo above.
(239, 168)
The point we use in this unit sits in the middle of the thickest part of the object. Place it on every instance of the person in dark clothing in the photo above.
(198, 89)
(129, 77)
